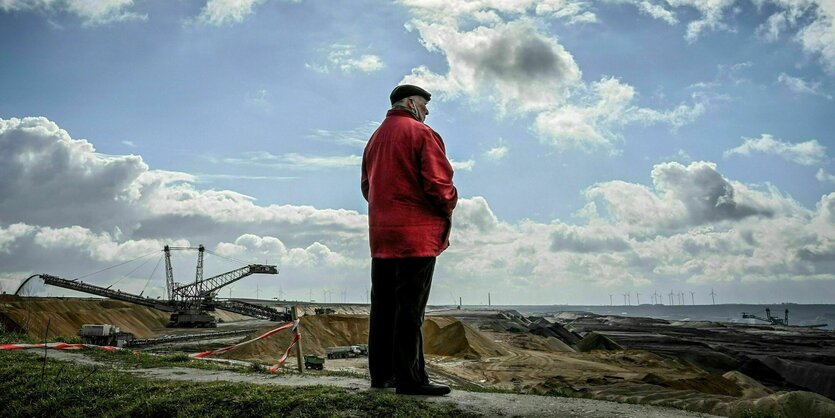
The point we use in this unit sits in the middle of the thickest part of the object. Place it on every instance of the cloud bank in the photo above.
(66, 209)
(500, 56)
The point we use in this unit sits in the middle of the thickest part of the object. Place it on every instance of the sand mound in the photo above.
(446, 336)
(707, 383)
(784, 404)
(65, 316)
(226, 316)
(539, 343)
(441, 336)
(750, 388)
(595, 341)
(573, 315)
(318, 333)
(813, 376)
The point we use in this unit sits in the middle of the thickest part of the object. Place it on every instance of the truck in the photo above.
(314, 362)
(323, 311)
(104, 334)
(345, 351)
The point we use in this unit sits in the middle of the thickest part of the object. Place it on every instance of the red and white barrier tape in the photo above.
(57, 346)
(292, 325)
(283, 358)
(66, 346)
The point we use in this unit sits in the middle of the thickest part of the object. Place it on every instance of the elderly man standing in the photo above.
(407, 181)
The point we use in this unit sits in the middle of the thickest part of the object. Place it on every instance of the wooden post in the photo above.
(299, 356)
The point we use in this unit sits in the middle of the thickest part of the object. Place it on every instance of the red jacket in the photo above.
(407, 181)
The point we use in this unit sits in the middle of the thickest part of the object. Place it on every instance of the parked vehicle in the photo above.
(343, 351)
(104, 334)
(314, 362)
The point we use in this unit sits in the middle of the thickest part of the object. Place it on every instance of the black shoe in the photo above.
(426, 389)
(386, 384)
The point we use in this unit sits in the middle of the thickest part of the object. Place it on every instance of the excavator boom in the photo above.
(206, 287)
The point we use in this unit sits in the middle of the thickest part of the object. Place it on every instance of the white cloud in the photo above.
(592, 126)
(813, 20)
(357, 137)
(343, 58)
(296, 161)
(686, 196)
(9, 235)
(773, 27)
(101, 247)
(260, 99)
(497, 152)
(103, 11)
(810, 152)
(711, 14)
(42, 166)
(202, 177)
(68, 210)
(510, 64)
(489, 11)
(824, 177)
(819, 36)
(274, 250)
(226, 12)
(657, 12)
(516, 68)
(92, 13)
(680, 156)
(694, 226)
(324, 162)
(463, 165)
(801, 86)
(596, 238)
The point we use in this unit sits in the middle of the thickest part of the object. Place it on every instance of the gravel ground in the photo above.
(486, 404)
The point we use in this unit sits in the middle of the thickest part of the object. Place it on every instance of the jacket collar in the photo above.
(400, 112)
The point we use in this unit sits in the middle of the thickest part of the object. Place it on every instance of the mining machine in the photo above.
(773, 320)
(188, 303)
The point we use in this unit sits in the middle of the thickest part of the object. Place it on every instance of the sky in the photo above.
(600, 148)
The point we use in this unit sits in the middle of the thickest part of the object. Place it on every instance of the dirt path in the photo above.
(486, 404)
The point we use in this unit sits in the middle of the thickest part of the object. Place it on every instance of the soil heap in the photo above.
(65, 316)
(442, 336)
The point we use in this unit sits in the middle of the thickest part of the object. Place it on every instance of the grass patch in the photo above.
(127, 359)
(8, 337)
(17, 337)
(30, 387)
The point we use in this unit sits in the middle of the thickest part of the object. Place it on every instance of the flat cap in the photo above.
(407, 90)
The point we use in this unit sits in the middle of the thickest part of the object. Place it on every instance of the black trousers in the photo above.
(399, 292)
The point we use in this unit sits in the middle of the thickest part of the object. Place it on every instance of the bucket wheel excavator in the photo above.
(189, 303)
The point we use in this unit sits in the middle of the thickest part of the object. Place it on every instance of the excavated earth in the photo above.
(718, 369)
